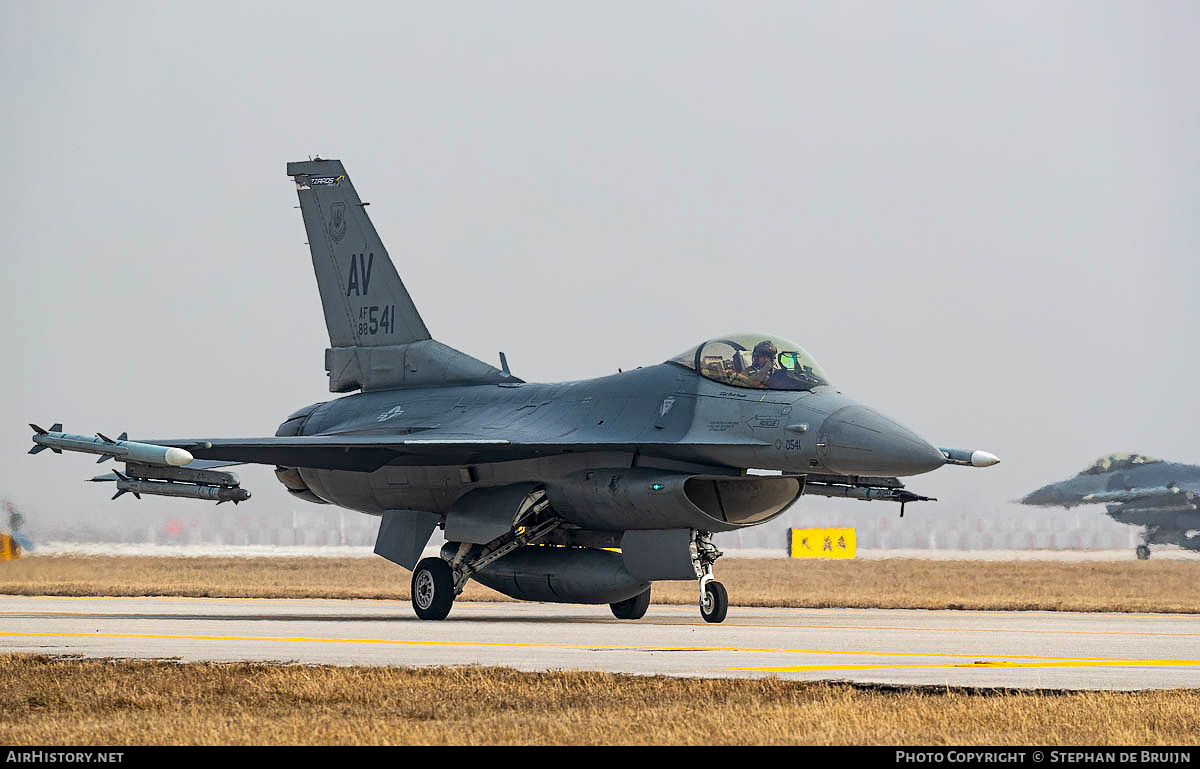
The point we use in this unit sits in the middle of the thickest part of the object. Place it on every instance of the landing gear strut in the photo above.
(436, 582)
(714, 599)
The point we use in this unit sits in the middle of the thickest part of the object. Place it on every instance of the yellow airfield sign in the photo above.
(821, 543)
(9, 549)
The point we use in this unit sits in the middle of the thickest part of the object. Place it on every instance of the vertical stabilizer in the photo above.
(366, 304)
(377, 338)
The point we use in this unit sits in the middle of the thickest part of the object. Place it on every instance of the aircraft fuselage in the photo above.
(662, 419)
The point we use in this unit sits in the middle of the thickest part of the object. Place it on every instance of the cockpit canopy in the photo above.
(1117, 462)
(756, 361)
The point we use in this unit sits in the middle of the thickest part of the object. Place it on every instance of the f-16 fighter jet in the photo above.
(1164, 497)
(578, 492)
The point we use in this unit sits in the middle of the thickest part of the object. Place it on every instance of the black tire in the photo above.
(432, 589)
(715, 605)
(1143, 553)
(632, 608)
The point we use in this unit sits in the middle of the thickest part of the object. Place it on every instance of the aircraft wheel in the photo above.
(715, 605)
(632, 608)
(1143, 553)
(432, 588)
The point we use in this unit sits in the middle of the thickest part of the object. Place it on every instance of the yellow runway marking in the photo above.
(738, 625)
(964, 630)
(214, 599)
(979, 665)
(997, 660)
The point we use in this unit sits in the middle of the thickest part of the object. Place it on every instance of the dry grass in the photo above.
(105, 702)
(1160, 586)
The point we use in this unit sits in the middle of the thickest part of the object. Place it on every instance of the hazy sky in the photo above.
(981, 218)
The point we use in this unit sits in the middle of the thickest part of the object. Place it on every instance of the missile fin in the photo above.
(56, 427)
(37, 429)
(56, 451)
(104, 458)
(37, 448)
(119, 493)
(105, 438)
(123, 436)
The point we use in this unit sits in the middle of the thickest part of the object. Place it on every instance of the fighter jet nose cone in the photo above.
(984, 459)
(178, 457)
(1047, 495)
(856, 440)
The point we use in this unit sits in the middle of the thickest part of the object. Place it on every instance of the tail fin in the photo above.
(376, 335)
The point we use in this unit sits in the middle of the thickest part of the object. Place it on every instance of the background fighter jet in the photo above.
(536, 485)
(1138, 490)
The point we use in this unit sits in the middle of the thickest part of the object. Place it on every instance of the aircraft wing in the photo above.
(159, 467)
(1158, 498)
(365, 453)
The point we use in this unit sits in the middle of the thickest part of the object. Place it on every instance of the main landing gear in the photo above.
(632, 608)
(714, 599)
(436, 582)
(432, 588)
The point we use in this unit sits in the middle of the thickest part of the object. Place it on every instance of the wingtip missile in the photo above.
(122, 449)
(969, 457)
(984, 459)
(178, 457)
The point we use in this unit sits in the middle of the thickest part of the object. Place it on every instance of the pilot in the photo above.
(764, 363)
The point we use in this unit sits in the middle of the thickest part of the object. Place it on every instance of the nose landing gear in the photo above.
(714, 599)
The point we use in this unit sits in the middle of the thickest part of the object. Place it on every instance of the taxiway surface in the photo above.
(1058, 650)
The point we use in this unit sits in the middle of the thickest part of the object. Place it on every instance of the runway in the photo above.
(1054, 650)
(1162, 553)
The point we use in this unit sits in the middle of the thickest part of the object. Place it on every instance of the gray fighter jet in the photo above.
(578, 492)
(1164, 497)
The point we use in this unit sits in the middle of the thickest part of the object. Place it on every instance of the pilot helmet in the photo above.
(765, 349)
